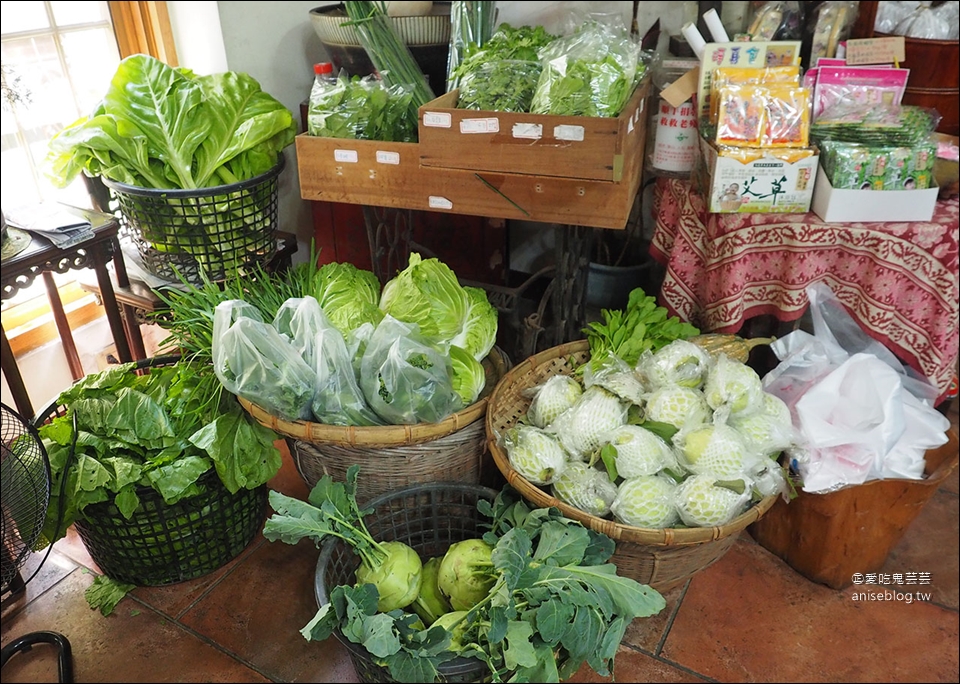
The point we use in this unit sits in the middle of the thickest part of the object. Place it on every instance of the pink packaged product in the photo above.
(862, 85)
(810, 76)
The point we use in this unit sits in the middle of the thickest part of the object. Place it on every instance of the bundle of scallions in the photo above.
(387, 52)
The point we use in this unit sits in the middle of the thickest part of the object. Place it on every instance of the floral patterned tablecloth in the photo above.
(899, 280)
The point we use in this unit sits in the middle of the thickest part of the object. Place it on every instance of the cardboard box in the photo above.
(838, 206)
(388, 174)
(766, 185)
(590, 148)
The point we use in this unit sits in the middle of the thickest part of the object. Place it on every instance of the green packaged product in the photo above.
(875, 124)
(853, 166)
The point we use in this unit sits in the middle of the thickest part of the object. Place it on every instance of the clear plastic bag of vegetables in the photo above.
(364, 109)
(590, 73)
(298, 319)
(505, 85)
(338, 399)
(404, 379)
(254, 361)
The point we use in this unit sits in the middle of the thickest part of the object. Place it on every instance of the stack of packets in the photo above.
(877, 147)
(760, 118)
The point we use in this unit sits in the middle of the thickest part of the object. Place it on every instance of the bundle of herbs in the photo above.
(363, 109)
(533, 599)
(471, 26)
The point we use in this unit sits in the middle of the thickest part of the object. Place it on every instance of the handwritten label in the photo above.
(491, 125)
(532, 131)
(388, 157)
(439, 202)
(565, 132)
(349, 156)
(876, 50)
(437, 119)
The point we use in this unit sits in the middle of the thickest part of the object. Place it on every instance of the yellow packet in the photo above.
(787, 116)
(724, 76)
(740, 117)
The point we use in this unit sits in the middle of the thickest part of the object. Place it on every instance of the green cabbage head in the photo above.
(348, 295)
(427, 293)
(468, 376)
(479, 332)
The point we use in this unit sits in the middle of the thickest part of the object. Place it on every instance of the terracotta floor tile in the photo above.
(633, 666)
(750, 617)
(174, 599)
(288, 481)
(134, 644)
(53, 568)
(647, 633)
(922, 547)
(257, 612)
(72, 547)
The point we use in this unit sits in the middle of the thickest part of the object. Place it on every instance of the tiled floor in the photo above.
(749, 617)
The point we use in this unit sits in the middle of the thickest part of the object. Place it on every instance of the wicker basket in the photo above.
(168, 543)
(393, 456)
(662, 559)
(429, 518)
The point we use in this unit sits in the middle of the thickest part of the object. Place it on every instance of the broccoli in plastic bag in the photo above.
(404, 379)
(254, 361)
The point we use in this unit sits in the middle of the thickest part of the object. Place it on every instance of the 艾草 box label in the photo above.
(757, 180)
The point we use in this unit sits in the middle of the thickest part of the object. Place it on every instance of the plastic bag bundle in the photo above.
(254, 361)
(363, 109)
(338, 399)
(404, 379)
(590, 73)
(505, 85)
(299, 319)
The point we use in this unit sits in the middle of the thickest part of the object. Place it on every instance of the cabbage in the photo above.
(427, 293)
(349, 296)
(552, 398)
(479, 332)
(467, 376)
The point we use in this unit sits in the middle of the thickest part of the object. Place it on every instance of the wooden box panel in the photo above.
(389, 174)
(593, 148)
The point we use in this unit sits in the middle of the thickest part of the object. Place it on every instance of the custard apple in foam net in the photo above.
(677, 406)
(646, 501)
(734, 386)
(717, 450)
(678, 363)
(552, 398)
(702, 503)
(586, 488)
(640, 452)
(775, 407)
(762, 433)
(581, 428)
(535, 454)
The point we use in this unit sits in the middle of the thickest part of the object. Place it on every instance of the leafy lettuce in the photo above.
(161, 127)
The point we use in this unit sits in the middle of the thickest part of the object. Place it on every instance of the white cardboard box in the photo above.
(768, 185)
(839, 206)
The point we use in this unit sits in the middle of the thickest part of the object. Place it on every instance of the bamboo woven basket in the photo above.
(393, 456)
(662, 559)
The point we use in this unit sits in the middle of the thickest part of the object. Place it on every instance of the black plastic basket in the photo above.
(168, 543)
(427, 517)
(217, 230)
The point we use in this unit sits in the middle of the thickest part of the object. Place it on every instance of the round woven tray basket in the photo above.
(393, 456)
(663, 558)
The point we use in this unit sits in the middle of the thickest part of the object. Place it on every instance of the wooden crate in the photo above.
(389, 174)
(593, 148)
(829, 538)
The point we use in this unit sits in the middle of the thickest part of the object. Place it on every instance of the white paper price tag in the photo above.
(439, 202)
(349, 156)
(437, 119)
(388, 157)
(532, 131)
(491, 125)
(566, 132)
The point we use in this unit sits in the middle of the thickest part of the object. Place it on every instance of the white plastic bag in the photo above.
(862, 415)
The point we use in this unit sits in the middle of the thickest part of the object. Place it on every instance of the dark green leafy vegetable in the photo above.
(364, 109)
(626, 334)
(161, 430)
(105, 593)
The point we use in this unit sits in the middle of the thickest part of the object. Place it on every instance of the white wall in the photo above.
(198, 36)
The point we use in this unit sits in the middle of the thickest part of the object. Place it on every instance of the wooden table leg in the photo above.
(63, 327)
(112, 309)
(11, 372)
(129, 313)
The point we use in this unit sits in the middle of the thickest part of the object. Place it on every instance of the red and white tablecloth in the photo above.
(899, 280)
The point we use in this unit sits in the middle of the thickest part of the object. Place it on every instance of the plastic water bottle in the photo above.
(323, 80)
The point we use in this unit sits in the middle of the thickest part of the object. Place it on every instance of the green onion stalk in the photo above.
(471, 26)
(389, 54)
